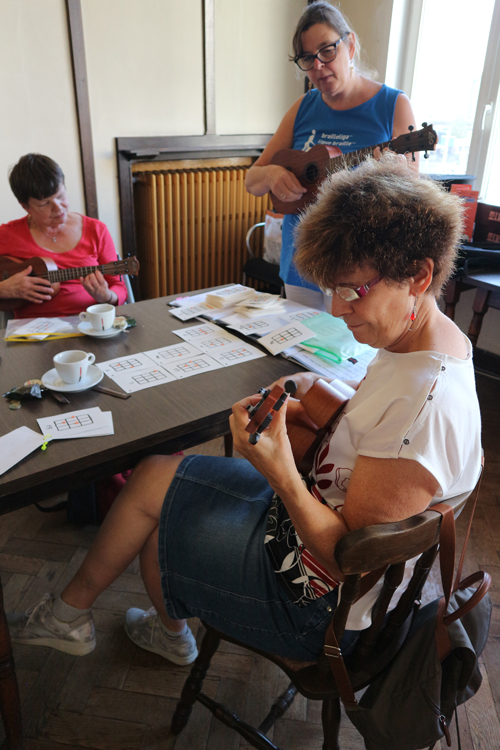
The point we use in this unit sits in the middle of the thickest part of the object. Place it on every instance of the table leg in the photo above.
(480, 307)
(10, 705)
(228, 445)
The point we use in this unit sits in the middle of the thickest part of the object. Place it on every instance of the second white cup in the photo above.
(72, 365)
(100, 317)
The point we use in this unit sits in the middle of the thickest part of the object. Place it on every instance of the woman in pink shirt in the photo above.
(50, 230)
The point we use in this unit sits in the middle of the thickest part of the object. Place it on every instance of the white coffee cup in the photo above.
(72, 365)
(100, 317)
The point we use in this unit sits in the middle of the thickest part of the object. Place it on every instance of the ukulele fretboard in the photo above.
(353, 158)
(67, 274)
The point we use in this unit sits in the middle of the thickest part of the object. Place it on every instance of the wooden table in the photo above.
(163, 419)
(487, 284)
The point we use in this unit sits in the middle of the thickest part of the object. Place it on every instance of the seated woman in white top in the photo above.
(246, 544)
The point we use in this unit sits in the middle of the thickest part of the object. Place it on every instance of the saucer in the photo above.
(53, 382)
(87, 329)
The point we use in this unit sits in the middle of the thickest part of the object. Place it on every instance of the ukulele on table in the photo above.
(307, 420)
(312, 167)
(45, 268)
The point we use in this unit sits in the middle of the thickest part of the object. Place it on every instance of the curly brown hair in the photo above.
(381, 214)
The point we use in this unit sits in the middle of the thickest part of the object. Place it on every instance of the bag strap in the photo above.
(474, 502)
(333, 652)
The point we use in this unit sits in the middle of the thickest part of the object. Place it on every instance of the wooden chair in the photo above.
(363, 550)
(268, 274)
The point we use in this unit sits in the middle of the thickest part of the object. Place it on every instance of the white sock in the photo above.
(173, 633)
(65, 612)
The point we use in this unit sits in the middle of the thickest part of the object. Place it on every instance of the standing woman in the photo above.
(345, 109)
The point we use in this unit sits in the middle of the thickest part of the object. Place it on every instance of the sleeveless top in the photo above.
(351, 129)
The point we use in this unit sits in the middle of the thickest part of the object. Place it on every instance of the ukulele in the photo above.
(307, 420)
(45, 268)
(312, 167)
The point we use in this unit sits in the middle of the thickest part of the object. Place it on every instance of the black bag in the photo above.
(409, 706)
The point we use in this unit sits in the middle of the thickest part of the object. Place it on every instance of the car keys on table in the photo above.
(261, 414)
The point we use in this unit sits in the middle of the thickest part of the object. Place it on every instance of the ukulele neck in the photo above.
(353, 158)
(67, 274)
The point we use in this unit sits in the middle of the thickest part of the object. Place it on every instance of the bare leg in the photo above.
(131, 524)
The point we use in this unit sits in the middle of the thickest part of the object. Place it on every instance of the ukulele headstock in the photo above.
(131, 266)
(416, 140)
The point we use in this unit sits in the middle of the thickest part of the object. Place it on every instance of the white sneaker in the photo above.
(144, 629)
(38, 626)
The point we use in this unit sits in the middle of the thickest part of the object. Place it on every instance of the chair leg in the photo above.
(330, 716)
(194, 683)
(10, 705)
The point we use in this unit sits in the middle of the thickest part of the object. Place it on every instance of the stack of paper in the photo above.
(230, 295)
(37, 329)
(260, 304)
(80, 423)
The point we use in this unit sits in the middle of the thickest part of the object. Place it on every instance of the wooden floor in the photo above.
(122, 698)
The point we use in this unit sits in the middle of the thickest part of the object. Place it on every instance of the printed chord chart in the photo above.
(303, 315)
(149, 377)
(175, 352)
(125, 364)
(71, 423)
(193, 366)
(216, 342)
(255, 326)
(236, 354)
(287, 335)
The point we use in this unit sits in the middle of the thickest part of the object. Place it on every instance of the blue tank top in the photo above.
(351, 129)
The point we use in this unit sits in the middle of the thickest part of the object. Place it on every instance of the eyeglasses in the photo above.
(349, 293)
(325, 55)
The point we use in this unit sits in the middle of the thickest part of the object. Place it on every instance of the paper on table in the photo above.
(186, 313)
(284, 337)
(16, 445)
(79, 423)
(42, 327)
(353, 368)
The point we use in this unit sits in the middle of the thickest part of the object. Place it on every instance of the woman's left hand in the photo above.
(97, 286)
(272, 454)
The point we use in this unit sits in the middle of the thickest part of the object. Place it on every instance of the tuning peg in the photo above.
(410, 128)
(426, 155)
(424, 124)
(412, 156)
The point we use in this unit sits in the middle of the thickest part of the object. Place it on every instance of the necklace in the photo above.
(50, 236)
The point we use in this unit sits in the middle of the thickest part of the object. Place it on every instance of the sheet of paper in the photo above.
(125, 365)
(196, 365)
(353, 368)
(78, 423)
(41, 327)
(195, 299)
(168, 355)
(258, 327)
(299, 316)
(188, 312)
(286, 336)
(136, 379)
(236, 353)
(195, 334)
(16, 445)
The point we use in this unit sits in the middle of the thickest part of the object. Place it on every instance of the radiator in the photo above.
(191, 218)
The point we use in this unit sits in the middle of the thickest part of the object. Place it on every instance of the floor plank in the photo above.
(122, 698)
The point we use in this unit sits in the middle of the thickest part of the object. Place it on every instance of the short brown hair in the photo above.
(381, 214)
(35, 176)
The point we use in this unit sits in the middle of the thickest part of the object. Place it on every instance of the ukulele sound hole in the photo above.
(312, 173)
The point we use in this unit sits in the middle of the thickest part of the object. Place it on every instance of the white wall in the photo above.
(255, 83)
(36, 95)
(145, 74)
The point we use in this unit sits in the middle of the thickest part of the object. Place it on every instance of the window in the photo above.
(450, 68)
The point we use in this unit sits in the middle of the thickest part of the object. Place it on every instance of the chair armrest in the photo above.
(249, 234)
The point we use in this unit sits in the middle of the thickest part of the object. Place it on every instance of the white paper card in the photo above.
(16, 445)
(78, 423)
(125, 365)
(236, 353)
(286, 336)
(138, 379)
(41, 327)
(186, 313)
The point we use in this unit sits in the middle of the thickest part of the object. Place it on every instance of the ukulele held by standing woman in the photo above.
(51, 230)
(345, 109)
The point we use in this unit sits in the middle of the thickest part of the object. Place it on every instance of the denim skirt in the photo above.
(214, 564)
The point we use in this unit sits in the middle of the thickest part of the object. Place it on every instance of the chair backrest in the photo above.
(386, 547)
(249, 235)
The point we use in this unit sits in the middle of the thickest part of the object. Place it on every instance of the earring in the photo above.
(414, 313)
(309, 86)
(351, 68)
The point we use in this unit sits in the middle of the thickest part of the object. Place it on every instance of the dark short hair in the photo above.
(35, 176)
(381, 214)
